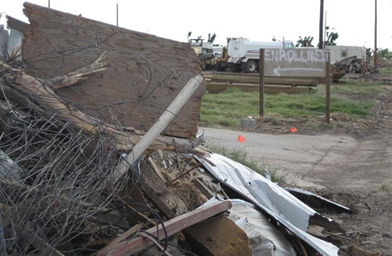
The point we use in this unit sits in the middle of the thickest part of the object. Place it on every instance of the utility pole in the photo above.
(375, 36)
(49, 4)
(324, 34)
(321, 29)
(117, 14)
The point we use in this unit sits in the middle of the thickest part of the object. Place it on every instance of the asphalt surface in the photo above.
(316, 161)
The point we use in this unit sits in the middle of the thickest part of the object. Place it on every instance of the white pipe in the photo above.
(158, 127)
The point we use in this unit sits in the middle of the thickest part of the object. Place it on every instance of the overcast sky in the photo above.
(257, 20)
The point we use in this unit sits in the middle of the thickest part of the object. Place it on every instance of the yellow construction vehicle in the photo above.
(222, 60)
(205, 53)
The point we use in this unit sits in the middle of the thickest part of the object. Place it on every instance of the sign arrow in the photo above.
(279, 69)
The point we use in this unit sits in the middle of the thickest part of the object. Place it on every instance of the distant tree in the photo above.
(369, 52)
(331, 36)
(384, 53)
(305, 42)
(211, 39)
(189, 35)
(274, 39)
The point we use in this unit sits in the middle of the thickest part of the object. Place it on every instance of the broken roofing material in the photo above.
(317, 201)
(271, 199)
(265, 239)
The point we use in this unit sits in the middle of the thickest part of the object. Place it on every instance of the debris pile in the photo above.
(93, 163)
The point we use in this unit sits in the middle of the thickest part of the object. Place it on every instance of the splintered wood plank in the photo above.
(144, 76)
(172, 226)
(219, 237)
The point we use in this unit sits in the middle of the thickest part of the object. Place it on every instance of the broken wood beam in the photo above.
(251, 78)
(125, 138)
(188, 171)
(268, 89)
(172, 226)
(218, 236)
(156, 201)
(40, 243)
(203, 189)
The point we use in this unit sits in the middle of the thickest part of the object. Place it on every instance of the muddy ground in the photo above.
(350, 163)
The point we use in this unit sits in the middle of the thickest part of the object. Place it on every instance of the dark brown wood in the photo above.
(203, 189)
(172, 226)
(17, 24)
(328, 89)
(219, 236)
(268, 89)
(261, 85)
(156, 201)
(40, 244)
(188, 171)
(252, 78)
(321, 25)
(144, 75)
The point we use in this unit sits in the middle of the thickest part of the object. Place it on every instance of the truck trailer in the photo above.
(244, 54)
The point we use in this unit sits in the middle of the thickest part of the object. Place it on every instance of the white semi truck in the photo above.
(244, 54)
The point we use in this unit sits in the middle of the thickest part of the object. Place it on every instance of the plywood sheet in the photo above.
(299, 62)
(145, 72)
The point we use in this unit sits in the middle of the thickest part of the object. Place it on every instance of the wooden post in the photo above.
(375, 35)
(261, 86)
(321, 25)
(328, 89)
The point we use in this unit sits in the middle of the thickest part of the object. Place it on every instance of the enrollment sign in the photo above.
(295, 62)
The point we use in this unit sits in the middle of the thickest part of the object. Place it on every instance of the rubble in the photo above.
(82, 176)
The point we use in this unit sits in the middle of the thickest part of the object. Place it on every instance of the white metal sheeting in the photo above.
(264, 238)
(272, 199)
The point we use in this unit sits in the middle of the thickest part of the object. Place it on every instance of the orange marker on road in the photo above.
(293, 129)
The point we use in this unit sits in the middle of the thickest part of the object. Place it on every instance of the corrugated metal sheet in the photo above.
(265, 239)
(317, 201)
(269, 197)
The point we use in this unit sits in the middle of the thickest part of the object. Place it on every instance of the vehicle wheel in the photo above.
(235, 68)
(251, 66)
(208, 67)
(218, 66)
(203, 65)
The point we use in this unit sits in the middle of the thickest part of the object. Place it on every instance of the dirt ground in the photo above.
(351, 164)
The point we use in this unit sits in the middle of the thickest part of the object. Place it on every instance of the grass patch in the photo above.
(358, 88)
(241, 157)
(385, 71)
(385, 187)
(227, 108)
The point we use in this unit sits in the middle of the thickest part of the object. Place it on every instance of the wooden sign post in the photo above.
(328, 90)
(261, 90)
(300, 62)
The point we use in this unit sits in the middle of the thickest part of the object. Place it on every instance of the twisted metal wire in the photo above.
(55, 189)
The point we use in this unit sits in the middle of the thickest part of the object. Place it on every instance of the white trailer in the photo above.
(339, 52)
(245, 54)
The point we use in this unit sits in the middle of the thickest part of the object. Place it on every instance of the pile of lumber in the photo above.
(99, 155)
